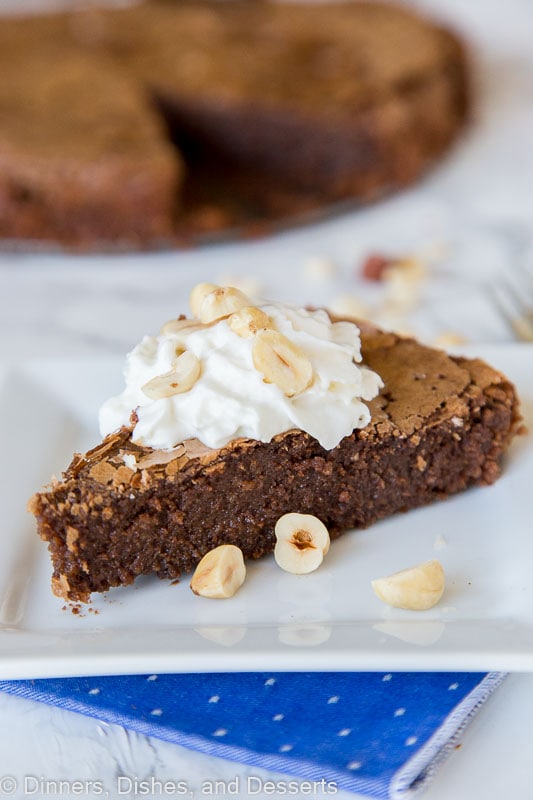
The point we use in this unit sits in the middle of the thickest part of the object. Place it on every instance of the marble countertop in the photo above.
(470, 222)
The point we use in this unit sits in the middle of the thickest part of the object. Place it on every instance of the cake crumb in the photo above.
(421, 463)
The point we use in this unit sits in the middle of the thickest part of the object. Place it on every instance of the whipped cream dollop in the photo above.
(230, 397)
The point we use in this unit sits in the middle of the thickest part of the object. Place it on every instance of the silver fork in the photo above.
(513, 298)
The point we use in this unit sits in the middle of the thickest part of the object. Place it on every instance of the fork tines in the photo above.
(514, 302)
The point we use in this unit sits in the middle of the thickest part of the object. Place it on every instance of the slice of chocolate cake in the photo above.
(438, 425)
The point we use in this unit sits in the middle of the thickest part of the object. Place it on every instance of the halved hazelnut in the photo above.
(248, 321)
(220, 573)
(302, 541)
(180, 326)
(180, 379)
(198, 294)
(416, 588)
(281, 362)
(221, 302)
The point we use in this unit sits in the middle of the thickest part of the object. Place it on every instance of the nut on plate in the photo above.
(416, 588)
(220, 573)
(281, 362)
(302, 541)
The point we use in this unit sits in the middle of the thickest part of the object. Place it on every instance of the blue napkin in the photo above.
(378, 734)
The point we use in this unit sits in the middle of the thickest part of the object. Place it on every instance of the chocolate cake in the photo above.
(81, 157)
(275, 108)
(440, 425)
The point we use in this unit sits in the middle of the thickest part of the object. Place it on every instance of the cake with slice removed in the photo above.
(276, 109)
(149, 499)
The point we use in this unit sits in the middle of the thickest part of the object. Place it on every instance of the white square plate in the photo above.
(329, 620)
